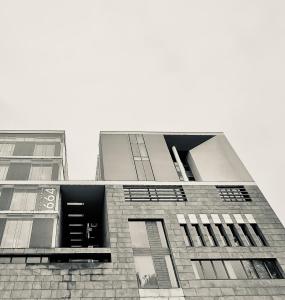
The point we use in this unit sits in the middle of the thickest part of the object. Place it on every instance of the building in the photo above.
(170, 216)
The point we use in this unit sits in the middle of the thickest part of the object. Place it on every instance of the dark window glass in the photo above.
(199, 235)
(145, 272)
(272, 269)
(260, 269)
(220, 269)
(259, 234)
(223, 235)
(186, 235)
(208, 269)
(247, 235)
(236, 237)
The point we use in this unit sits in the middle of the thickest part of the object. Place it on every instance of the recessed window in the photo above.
(237, 269)
(233, 193)
(154, 193)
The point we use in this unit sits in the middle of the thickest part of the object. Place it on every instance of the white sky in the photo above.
(86, 66)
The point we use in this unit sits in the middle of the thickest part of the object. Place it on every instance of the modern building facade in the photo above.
(170, 216)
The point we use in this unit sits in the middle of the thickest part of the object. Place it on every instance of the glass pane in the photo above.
(220, 269)
(40, 173)
(230, 270)
(3, 171)
(185, 235)
(135, 149)
(140, 139)
(161, 234)
(260, 269)
(208, 269)
(247, 235)
(6, 149)
(238, 269)
(272, 269)
(140, 170)
(259, 234)
(9, 234)
(23, 234)
(145, 272)
(44, 150)
(138, 234)
(23, 201)
(197, 269)
(249, 269)
(143, 150)
(171, 272)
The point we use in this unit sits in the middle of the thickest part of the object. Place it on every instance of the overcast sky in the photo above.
(86, 66)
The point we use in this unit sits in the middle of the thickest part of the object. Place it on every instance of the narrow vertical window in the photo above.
(211, 235)
(3, 171)
(259, 234)
(237, 239)
(247, 235)
(138, 233)
(223, 235)
(199, 235)
(186, 235)
(171, 273)
(146, 275)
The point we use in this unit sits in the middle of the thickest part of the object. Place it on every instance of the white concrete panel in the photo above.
(204, 219)
(250, 218)
(227, 219)
(216, 219)
(238, 218)
(181, 219)
(215, 160)
(193, 219)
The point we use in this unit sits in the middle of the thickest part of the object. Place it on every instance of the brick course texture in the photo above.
(117, 279)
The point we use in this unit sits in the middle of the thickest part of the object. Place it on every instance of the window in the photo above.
(138, 233)
(259, 235)
(199, 236)
(154, 193)
(186, 235)
(236, 238)
(211, 235)
(237, 269)
(140, 156)
(233, 193)
(44, 150)
(40, 172)
(23, 201)
(153, 262)
(3, 171)
(249, 239)
(6, 149)
(223, 235)
(146, 275)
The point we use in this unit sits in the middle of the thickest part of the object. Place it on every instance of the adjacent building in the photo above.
(170, 216)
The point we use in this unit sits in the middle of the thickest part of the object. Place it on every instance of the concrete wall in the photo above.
(117, 159)
(160, 159)
(117, 279)
(215, 160)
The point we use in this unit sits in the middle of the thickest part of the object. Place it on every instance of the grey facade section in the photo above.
(117, 279)
(117, 159)
(160, 159)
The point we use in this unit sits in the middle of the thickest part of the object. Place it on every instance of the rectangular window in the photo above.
(23, 201)
(233, 193)
(6, 149)
(186, 235)
(199, 235)
(3, 171)
(259, 234)
(154, 193)
(236, 237)
(237, 269)
(211, 236)
(17, 234)
(44, 150)
(152, 255)
(40, 173)
(146, 275)
(249, 239)
(223, 235)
